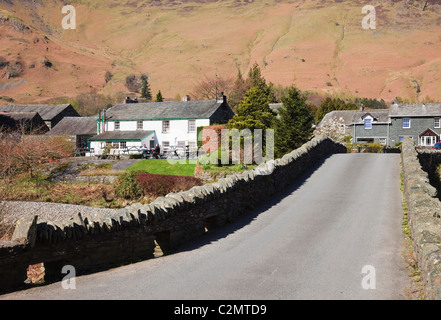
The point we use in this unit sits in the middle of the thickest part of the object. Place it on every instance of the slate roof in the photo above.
(345, 116)
(163, 110)
(75, 126)
(416, 110)
(380, 115)
(31, 120)
(122, 135)
(46, 111)
(17, 116)
(350, 117)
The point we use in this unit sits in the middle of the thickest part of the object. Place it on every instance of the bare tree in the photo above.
(211, 87)
(21, 153)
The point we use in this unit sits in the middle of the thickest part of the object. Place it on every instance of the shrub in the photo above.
(108, 76)
(127, 185)
(3, 62)
(26, 153)
(373, 148)
(161, 185)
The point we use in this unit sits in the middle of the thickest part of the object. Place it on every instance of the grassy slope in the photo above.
(163, 166)
(308, 43)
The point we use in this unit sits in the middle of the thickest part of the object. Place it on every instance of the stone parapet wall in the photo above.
(100, 241)
(424, 210)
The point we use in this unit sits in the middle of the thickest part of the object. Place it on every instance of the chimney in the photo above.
(186, 98)
(361, 107)
(99, 123)
(129, 100)
(222, 98)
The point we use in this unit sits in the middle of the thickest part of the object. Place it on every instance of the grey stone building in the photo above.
(78, 129)
(419, 121)
(370, 126)
(51, 114)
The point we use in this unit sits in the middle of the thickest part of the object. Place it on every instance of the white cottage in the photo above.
(171, 124)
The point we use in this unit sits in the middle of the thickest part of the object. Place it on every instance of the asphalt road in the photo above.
(311, 243)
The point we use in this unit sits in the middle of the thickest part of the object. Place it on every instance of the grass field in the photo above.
(163, 166)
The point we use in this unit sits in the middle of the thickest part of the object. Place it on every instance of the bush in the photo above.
(127, 185)
(26, 153)
(373, 148)
(160, 185)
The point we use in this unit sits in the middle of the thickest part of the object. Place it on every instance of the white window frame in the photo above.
(368, 123)
(166, 126)
(165, 145)
(139, 125)
(191, 126)
(192, 145)
(117, 125)
(437, 123)
(410, 123)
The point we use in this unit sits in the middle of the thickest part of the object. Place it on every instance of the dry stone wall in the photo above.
(94, 242)
(424, 211)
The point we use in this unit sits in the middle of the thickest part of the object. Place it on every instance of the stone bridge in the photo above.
(135, 233)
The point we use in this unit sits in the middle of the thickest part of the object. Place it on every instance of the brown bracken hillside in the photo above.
(319, 46)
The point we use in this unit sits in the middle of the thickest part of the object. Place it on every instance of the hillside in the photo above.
(318, 45)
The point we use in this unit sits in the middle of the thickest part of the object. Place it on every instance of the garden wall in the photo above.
(424, 212)
(90, 243)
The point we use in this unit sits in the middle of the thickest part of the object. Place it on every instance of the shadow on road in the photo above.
(247, 217)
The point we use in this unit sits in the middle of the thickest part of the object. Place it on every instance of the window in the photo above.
(115, 145)
(368, 123)
(192, 145)
(191, 125)
(406, 123)
(165, 126)
(165, 144)
(140, 125)
(117, 125)
(123, 145)
(436, 123)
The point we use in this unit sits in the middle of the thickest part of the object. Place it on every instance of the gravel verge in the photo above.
(12, 211)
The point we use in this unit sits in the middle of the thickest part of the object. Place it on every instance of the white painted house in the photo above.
(171, 124)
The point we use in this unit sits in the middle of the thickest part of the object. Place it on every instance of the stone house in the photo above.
(25, 122)
(419, 121)
(78, 129)
(171, 124)
(370, 126)
(51, 114)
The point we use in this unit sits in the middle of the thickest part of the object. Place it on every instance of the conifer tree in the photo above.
(145, 89)
(253, 111)
(159, 97)
(293, 127)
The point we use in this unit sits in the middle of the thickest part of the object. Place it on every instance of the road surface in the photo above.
(336, 234)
